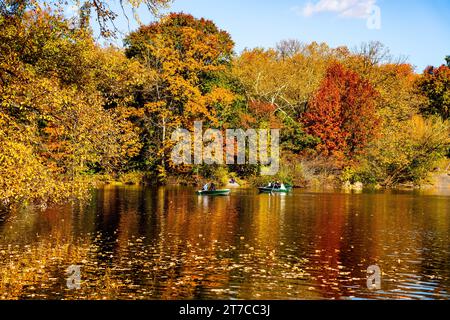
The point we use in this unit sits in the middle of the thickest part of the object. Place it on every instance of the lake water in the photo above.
(168, 243)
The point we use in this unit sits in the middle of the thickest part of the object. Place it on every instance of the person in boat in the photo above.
(277, 185)
(212, 187)
(205, 187)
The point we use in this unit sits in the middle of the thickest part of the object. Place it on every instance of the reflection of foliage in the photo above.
(25, 269)
(145, 273)
(161, 247)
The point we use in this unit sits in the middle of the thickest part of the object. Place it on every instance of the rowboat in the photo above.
(222, 192)
(282, 189)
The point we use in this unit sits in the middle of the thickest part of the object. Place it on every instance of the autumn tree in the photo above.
(393, 78)
(285, 77)
(342, 114)
(57, 89)
(435, 85)
(407, 151)
(278, 84)
(187, 55)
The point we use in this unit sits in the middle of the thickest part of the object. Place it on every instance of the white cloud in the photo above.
(345, 8)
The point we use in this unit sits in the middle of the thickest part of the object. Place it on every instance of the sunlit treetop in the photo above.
(186, 34)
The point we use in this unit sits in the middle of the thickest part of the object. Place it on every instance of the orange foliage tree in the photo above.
(342, 114)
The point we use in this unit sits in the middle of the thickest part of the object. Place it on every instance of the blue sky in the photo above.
(416, 29)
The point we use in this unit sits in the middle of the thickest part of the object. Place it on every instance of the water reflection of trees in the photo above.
(168, 243)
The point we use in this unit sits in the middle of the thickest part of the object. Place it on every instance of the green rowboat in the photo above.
(283, 189)
(223, 192)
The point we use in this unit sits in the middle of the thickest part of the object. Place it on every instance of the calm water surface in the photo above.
(168, 243)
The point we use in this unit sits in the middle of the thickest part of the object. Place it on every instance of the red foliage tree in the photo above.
(342, 114)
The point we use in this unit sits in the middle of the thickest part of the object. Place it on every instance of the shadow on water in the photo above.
(168, 243)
